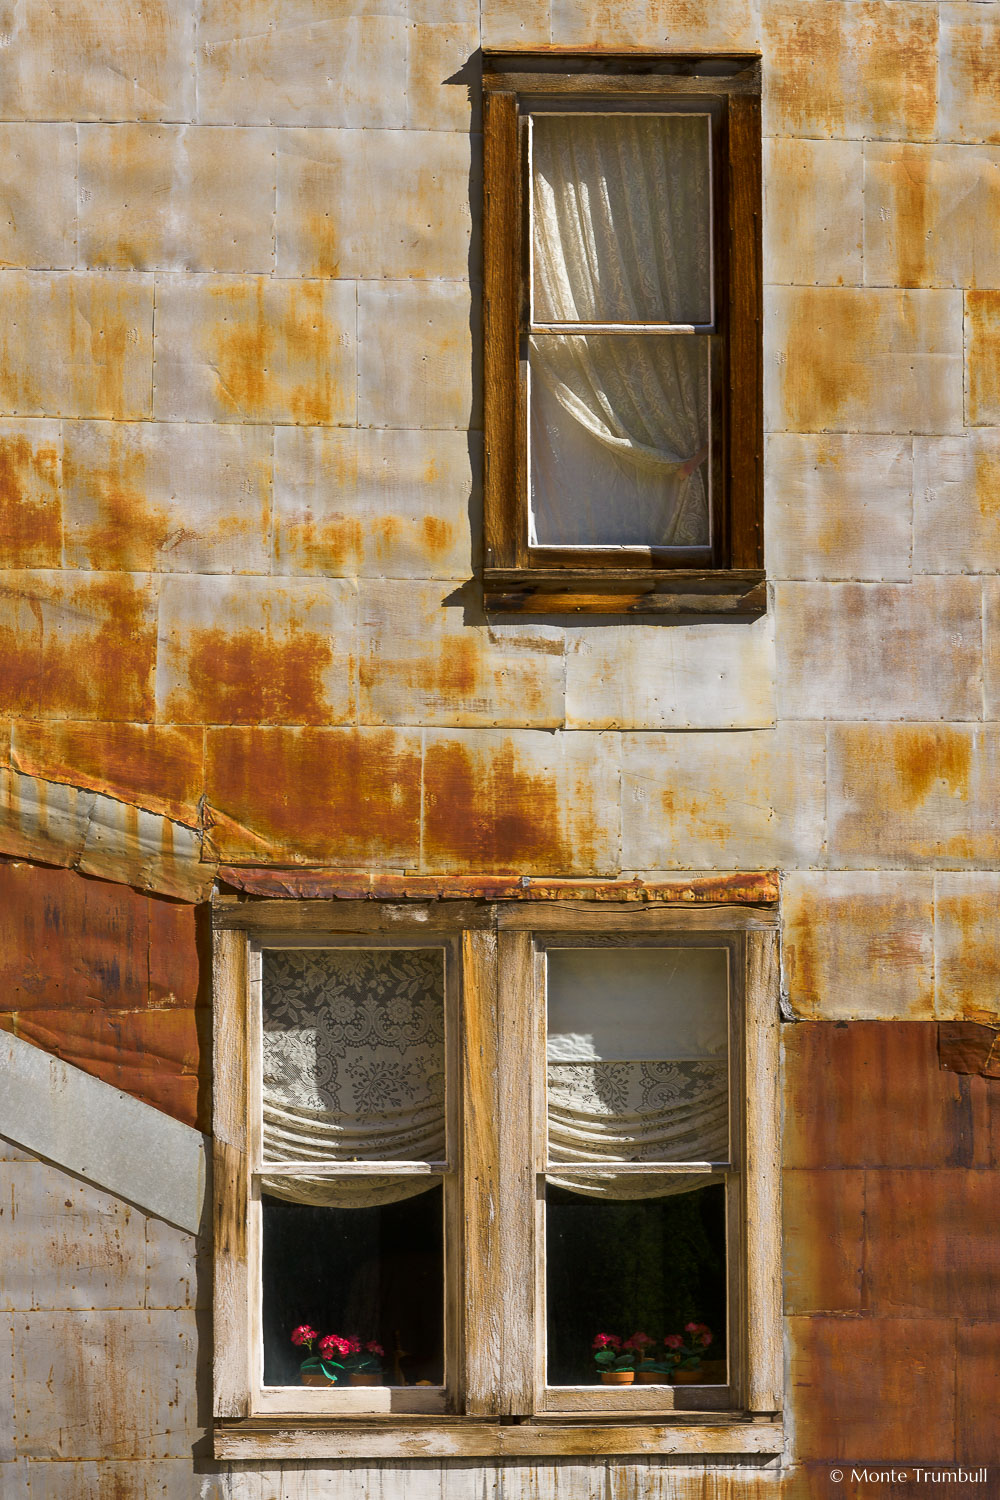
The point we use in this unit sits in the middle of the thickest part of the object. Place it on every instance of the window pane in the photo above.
(373, 1273)
(637, 1059)
(638, 1267)
(619, 440)
(621, 218)
(353, 1054)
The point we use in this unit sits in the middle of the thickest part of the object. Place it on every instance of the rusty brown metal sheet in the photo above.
(757, 888)
(857, 1390)
(111, 980)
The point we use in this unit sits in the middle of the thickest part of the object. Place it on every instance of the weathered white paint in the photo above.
(61, 1113)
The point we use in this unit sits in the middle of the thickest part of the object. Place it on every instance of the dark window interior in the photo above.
(377, 1273)
(649, 1265)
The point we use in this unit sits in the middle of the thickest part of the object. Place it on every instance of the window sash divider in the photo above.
(352, 1169)
(637, 329)
(635, 1168)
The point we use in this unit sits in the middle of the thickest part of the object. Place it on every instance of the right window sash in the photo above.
(640, 1202)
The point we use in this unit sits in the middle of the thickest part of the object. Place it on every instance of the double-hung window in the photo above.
(622, 337)
(495, 1178)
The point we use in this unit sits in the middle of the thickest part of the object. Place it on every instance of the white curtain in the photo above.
(607, 1112)
(621, 213)
(353, 1068)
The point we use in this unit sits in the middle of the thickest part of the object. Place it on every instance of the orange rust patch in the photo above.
(332, 546)
(925, 759)
(128, 532)
(493, 814)
(325, 246)
(157, 767)
(327, 795)
(253, 677)
(827, 345)
(78, 646)
(909, 186)
(437, 535)
(30, 503)
(982, 322)
(98, 655)
(244, 349)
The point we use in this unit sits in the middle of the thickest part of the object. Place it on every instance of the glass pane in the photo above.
(648, 1267)
(373, 1274)
(619, 440)
(621, 218)
(637, 1056)
(353, 1054)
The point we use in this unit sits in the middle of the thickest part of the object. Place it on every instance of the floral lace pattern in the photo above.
(353, 1054)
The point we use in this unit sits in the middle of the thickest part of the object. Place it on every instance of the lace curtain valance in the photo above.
(621, 219)
(352, 1068)
(637, 1067)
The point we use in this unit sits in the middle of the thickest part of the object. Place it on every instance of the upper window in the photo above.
(474, 1164)
(622, 334)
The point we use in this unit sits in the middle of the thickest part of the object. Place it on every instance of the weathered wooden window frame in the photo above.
(727, 577)
(498, 1404)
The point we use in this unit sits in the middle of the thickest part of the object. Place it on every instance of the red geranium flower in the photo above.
(673, 1341)
(303, 1334)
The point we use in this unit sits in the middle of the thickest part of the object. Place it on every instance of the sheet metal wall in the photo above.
(239, 464)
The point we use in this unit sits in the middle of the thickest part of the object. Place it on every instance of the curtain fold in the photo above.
(620, 424)
(353, 1069)
(608, 1112)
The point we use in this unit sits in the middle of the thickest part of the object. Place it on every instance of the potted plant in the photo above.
(364, 1362)
(688, 1350)
(615, 1361)
(650, 1371)
(319, 1368)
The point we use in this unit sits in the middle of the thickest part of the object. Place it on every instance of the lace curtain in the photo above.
(621, 214)
(353, 1068)
(615, 1092)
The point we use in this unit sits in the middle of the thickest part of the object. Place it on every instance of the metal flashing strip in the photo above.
(93, 1130)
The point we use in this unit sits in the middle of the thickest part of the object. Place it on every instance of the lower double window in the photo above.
(489, 1164)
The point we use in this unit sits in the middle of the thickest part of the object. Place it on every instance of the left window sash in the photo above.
(312, 1168)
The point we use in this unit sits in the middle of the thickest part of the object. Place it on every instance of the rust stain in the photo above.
(986, 486)
(30, 504)
(437, 535)
(108, 624)
(307, 337)
(332, 546)
(827, 347)
(927, 760)
(255, 676)
(982, 314)
(244, 348)
(158, 767)
(494, 813)
(909, 186)
(128, 532)
(324, 244)
(966, 1047)
(314, 795)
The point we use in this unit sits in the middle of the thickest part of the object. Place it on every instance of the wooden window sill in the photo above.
(741, 592)
(719, 1436)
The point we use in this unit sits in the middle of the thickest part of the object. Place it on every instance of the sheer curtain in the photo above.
(637, 1067)
(353, 1068)
(621, 215)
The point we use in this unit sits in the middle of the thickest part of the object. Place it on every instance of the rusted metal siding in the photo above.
(111, 980)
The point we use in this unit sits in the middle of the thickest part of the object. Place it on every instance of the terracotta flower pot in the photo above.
(652, 1377)
(617, 1377)
(687, 1377)
(315, 1377)
(365, 1377)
